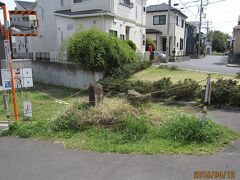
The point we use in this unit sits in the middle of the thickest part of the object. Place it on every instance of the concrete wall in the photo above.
(68, 75)
(18, 63)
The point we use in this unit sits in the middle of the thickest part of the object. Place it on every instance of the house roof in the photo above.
(162, 8)
(153, 31)
(69, 13)
(191, 24)
(27, 5)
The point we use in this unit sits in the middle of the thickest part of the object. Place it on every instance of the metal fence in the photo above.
(39, 56)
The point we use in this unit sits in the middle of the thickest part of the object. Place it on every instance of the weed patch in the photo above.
(189, 128)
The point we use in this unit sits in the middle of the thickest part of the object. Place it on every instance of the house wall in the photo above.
(104, 24)
(135, 14)
(68, 75)
(106, 5)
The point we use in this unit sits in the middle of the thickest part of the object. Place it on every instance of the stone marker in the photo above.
(95, 94)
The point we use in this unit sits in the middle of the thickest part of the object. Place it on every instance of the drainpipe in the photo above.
(103, 21)
(168, 31)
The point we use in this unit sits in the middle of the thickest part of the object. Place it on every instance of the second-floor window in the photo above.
(182, 24)
(61, 2)
(80, 1)
(127, 3)
(25, 19)
(177, 21)
(159, 20)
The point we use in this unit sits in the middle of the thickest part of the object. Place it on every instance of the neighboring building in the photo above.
(59, 19)
(125, 19)
(191, 38)
(157, 28)
(236, 37)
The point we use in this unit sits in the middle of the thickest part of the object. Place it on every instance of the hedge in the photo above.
(96, 50)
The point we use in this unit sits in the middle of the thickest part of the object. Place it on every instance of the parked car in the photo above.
(160, 56)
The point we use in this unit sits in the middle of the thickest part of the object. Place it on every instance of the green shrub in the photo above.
(235, 97)
(116, 80)
(80, 116)
(223, 91)
(142, 87)
(127, 70)
(132, 129)
(164, 85)
(150, 42)
(186, 90)
(189, 128)
(132, 45)
(116, 85)
(96, 50)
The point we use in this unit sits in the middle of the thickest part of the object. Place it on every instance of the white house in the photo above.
(59, 19)
(157, 18)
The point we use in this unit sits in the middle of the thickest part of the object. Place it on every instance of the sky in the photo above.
(223, 15)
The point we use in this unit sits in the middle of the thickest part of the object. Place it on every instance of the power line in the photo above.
(186, 7)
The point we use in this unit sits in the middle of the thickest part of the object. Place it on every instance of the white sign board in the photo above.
(6, 79)
(27, 82)
(27, 108)
(27, 72)
(22, 78)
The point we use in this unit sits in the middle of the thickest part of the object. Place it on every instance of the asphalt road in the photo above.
(214, 64)
(25, 159)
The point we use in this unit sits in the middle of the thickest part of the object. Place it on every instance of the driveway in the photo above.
(25, 159)
(214, 64)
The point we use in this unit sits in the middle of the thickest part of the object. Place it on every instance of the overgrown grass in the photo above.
(45, 101)
(155, 74)
(116, 126)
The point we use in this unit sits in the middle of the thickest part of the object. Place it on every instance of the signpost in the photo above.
(27, 109)
(23, 23)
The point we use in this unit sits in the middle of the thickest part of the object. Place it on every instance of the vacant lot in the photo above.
(63, 116)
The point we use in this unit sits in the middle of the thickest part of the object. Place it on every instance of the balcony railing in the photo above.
(127, 3)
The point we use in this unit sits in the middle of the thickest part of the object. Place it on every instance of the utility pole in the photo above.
(9, 59)
(200, 27)
(168, 31)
